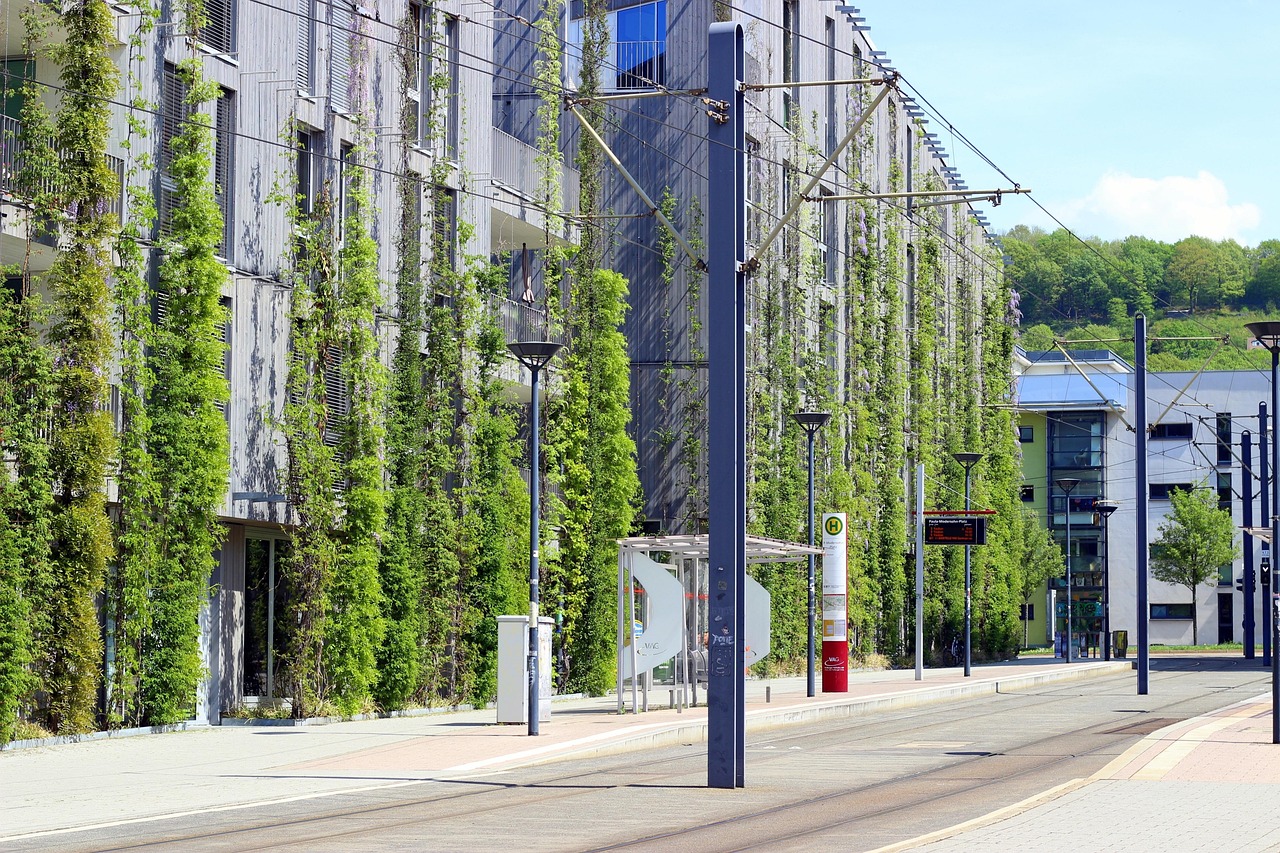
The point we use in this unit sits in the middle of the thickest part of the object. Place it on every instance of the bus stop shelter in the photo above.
(662, 609)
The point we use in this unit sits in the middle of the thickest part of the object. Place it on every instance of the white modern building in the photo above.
(1077, 422)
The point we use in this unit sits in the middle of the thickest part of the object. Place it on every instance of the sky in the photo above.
(1158, 119)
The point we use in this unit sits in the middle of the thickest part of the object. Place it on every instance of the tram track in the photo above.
(535, 790)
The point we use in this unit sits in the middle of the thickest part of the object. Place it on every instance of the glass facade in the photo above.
(1076, 452)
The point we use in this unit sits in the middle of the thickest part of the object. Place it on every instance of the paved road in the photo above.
(854, 784)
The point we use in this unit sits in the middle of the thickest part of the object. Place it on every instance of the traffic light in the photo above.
(1239, 584)
(1266, 571)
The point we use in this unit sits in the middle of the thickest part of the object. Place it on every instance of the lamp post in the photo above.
(1105, 509)
(1267, 333)
(1066, 484)
(968, 460)
(811, 422)
(534, 355)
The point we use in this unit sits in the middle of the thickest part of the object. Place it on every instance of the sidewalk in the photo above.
(1209, 783)
(113, 781)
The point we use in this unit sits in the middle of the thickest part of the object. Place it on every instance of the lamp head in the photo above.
(968, 460)
(1067, 483)
(1105, 508)
(534, 354)
(1266, 332)
(811, 421)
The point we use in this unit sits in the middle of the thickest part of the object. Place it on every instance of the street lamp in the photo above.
(1066, 484)
(811, 422)
(1267, 333)
(968, 460)
(534, 355)
(1105, 509)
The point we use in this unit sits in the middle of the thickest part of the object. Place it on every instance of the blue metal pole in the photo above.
(1246, 489)
(968, 588)
(1068, 631)
(1274, 519)
(533, 557)
(1264, 486)
(812, 690)
(726, 410)
(1141, 495)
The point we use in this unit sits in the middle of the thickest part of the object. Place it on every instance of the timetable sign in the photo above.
(960, 530)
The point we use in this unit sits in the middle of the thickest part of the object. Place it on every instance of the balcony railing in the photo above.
(515, 165)
(11, 178)
(519, 320)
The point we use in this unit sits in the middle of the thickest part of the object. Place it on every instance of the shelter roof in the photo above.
(759, 548)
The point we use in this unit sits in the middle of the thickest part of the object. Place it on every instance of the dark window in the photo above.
(790, 62)
(1160, 491)
(1224, 490)
(1028, 494)
(640, 45)
(1171, 611)
(1171, 432)
(1224, 438)
(419, 82)
(1026, 434)
(831, 90)
(445, 236)
(308, 144)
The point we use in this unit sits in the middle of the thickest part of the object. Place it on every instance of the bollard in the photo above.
(768, 694)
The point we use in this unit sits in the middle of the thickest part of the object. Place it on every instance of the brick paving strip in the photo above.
(1213, 775)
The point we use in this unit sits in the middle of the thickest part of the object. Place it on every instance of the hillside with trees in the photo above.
(1089, 290)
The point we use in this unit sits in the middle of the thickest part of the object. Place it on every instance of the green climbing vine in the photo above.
(68, 642)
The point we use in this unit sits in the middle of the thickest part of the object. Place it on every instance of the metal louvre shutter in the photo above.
(224, 165)
(173, 112)
(219, 30)
(340, 59)
(306, 46)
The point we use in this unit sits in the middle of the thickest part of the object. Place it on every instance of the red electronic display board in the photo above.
(960, 530)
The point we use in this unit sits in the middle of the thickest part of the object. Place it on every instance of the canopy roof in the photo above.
(759, 549)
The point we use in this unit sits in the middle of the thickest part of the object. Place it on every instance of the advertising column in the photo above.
(835, 612)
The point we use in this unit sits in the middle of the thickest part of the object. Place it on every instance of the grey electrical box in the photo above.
(513, 663)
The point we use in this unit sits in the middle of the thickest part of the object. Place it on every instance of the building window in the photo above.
(444, 242)
(637, 47)
(224, 334)
(346, 165)
(1171, 432)
(218, 32)
(831, 90)
(446, 113)
(306, 58)
(1224, 490)
(340, 34)
(1026, 434)
(173, 112)
(1076, 440)
(419, 75)
(1171, 611)
(1160, 491)
(308, 146)
(790, 62)
(224, 158)
(1028, 494)
(1223, 430)
(755, 181)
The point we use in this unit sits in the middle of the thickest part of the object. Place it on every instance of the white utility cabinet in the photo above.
(513, 655)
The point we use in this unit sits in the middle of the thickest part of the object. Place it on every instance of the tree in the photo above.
(1193, 542)
(1041, 560)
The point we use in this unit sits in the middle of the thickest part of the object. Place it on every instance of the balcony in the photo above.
(15, 198)
(517, 218)
(518, 320)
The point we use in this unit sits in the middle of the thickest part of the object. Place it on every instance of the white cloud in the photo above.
(1166, 209)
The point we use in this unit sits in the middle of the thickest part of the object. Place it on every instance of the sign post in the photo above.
(835, 611)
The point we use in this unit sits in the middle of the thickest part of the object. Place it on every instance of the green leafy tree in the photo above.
(1193, 542)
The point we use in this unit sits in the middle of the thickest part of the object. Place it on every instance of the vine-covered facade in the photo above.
(263, 443)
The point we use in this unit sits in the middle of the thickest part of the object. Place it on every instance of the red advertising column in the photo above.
(835, 612)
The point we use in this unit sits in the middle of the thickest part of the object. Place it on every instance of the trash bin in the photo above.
(1119, 644)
